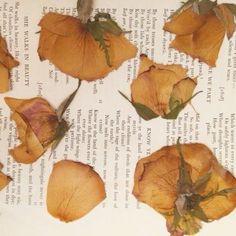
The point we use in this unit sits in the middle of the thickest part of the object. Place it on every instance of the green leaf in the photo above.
(204, 6)
(176, 107)
(61, 130)
(145, 112)
(185, 5)
(201, 182)
(65, 104)
(199, 213)
(231, 7)
(184, 183)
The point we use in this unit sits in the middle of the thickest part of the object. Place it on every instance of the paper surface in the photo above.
(106, 132)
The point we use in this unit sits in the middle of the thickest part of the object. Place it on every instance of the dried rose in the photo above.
(207, 24)
(187, 185)
(161, 90)
(4, 179)
(38, 127)
(74, 189)
(87, 51)
(7, 62)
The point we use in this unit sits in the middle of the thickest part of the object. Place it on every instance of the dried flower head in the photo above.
(187, 185)
(74, 189)
(161, 90)
(4, 179)
(87, 51)
(204, 33)
(7, 62)
(38, 127)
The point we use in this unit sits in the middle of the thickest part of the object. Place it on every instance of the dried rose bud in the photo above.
(87, 51)
(207, 24)
(4, 179)
(74, 189)
(38, 127)
(161, 90)
(7, 62)
(186, 184)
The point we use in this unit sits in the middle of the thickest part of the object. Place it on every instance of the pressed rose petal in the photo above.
(74, 50)
(183, 90)
(4, 179)
(74, 189)
(153, 88)
(187, 22)
(156, 184)
(37, 124)
(7, 62)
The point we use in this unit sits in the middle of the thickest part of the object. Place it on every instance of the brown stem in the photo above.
(84, 8)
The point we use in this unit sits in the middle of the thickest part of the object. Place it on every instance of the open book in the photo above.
(106, 132)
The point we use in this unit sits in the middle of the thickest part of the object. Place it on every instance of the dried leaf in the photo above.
(73, 190)
(204, 6)
(85, 51)
(65, 104)
(84, 8)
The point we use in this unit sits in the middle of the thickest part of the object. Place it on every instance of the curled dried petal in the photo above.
(7, 62)
(68, 44)
(74, 189)
(36, 123)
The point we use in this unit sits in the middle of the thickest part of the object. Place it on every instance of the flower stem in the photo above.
(84, 8)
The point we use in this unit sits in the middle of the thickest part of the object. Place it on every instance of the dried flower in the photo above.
(4, 179)
(7, 62)
(207, 24)
(74, 189)
(187, 185)
(87, 51)
(161, 90)
(38, 127)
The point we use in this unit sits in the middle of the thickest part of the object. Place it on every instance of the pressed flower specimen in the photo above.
(200, 27)
(38, 126)
(187, 185)
(83, 48)
(7, 62)
(74, 189)
(161, 90)
(4, 179)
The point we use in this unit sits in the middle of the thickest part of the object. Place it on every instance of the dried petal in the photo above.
(7, 62)
(157, 183)
(73, 49)
(37, 125)
(74, 189)
(4, 179)
(156, 84)
(203, 36)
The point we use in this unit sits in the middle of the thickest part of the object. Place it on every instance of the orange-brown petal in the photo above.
(4, 179)
(187, 22)
(74, 189)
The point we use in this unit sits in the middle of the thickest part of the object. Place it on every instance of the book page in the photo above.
(106, 132)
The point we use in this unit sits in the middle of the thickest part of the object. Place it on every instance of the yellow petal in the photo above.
(4, 179)
(74, 189)
(183, 90)
(187, 22)
(74, 50)
(228, 19)
(154, 87)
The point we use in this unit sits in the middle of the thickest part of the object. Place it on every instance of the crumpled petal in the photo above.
(66, 43)
(4, 179)
(36, 123)
(74, 189)
(156, 184)
(156, 83)
(7, 62)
